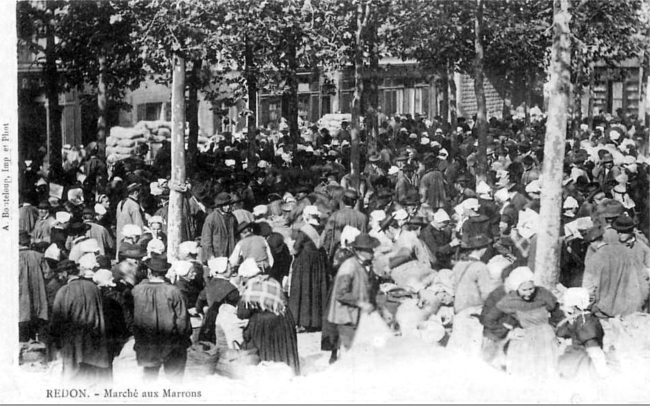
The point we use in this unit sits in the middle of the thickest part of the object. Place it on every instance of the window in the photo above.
(154, 111)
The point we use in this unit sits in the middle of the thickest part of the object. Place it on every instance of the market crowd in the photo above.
(294, 243)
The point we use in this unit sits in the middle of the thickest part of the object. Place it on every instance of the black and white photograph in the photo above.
(325, 201)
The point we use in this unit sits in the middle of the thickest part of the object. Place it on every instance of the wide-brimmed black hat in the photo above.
(158, 264)
(416, 221)
(78, 227)
(129, 250)
(65, 265)
(476, 242)
(243, 226)
(365, 242)
(623, 224)
(222, 199)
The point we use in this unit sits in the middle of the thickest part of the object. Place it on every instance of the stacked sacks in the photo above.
(333, 122)
(123, 142)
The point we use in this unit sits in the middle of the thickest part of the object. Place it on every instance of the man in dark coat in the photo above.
(161, 326)
(347, 216)
(32, 304)
(218, 235)
(79, 330)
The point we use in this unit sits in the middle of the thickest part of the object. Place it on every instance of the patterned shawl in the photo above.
(266, 294)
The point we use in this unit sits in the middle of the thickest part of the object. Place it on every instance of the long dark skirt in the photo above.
(274, 337)
(309, 287)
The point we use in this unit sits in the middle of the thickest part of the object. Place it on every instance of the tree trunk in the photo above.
(444, 96)
(529, 97)
(251, 85)
(590, 106)
(372, 118)
(481, 120)
(362, 19)
(578, 91)
(547, 259)
(54, 111)
(101, 106)
(175, 218)
(193, 119)
(451, 96)
(290, 95)
(507, 96)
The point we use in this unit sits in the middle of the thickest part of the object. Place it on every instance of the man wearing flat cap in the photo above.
(129, 211)
(218, 235)
(615, 287)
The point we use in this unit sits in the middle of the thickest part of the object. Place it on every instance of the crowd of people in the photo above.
(294, 243)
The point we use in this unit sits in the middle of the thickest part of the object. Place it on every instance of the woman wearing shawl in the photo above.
(309, 280)
(533, 347)
(271, 328)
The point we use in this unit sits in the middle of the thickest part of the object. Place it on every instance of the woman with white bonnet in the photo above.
(533, 348)
(271, 328)
(117, 333)
(182, 275)
(310, 278)
(219, 294)
(154, 231)
(584, 358)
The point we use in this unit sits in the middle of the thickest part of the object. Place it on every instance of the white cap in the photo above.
(99, 209)
(155, 189)
(156, 219)
(614, 135)
(217, 265)
(188, 247)
(441, 216)
(502, 195)
(260, 210)
(393, 170)
(378, 215)
(88, 262)
(103, 277)
(400, 214)
(534, 187)
(443, 154)
(424, 141)
(311, 211)
(348, 235)
(483, 188)
(230, 162)
(89, 246)
(249, 268)
(471, 204)
(182, 268)
(570, 203)
(155, 246)
(262, 164)
(131, 230)
(53, 252)
(63, 216)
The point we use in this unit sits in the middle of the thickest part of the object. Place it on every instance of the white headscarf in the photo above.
(518, 277)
